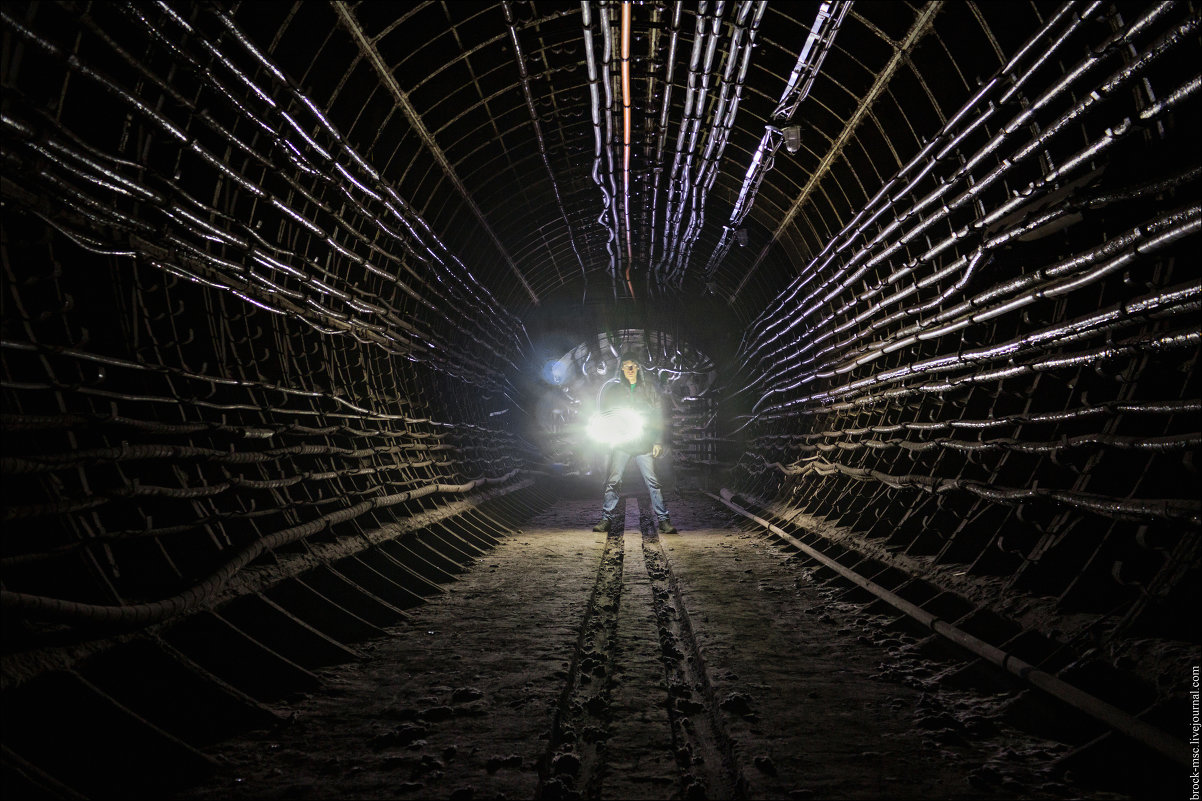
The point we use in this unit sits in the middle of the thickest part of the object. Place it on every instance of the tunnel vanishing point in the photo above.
(301, 296)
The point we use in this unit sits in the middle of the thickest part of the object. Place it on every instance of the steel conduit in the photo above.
(607, 199)
(1147, 734)
(60, 610)
(661, 140)
(1189, 511)
(729, 96)
(888, 197)
(334, 176)
(1107, 321)
(937, 324)
(626, 140)
(823, 294)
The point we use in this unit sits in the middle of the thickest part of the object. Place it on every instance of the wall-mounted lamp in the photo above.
(792, 138)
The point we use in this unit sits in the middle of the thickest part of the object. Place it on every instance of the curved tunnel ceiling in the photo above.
(536, 154)
(463, 185)
(502, 127)
(503, 124)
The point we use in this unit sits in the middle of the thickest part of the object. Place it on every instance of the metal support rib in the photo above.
(922, 25)
(368, 48)
(538, 135)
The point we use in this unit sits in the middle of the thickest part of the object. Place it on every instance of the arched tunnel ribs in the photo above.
(281, 282)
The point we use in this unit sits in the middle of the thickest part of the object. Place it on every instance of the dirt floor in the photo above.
(703, 664)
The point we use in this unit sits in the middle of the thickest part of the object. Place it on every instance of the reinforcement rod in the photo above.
(542, 145)
(372, 55)
(1096, 708)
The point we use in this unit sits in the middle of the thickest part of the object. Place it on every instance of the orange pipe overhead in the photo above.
(626, 137)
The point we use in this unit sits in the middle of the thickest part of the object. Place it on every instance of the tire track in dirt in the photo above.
(705, 753)
(573, 764)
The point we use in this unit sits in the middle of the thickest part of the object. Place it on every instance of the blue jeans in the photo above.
(613, 485)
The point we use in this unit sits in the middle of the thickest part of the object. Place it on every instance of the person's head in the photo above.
(629, 367)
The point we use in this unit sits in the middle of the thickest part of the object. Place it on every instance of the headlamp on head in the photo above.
(616, 427)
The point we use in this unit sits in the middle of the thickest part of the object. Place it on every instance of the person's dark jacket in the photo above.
(643, 398)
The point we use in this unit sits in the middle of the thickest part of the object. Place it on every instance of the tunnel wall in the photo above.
(227, 339)
(989, 376)
(226, 344)
(235, 360)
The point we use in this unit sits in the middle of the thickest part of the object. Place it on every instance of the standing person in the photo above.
(631, 391)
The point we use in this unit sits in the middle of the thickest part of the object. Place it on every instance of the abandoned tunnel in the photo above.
(308, 307)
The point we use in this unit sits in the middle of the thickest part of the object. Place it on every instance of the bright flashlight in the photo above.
(616, 427)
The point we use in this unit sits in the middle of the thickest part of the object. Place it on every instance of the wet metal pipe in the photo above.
(1099, 710)
(669, 69)
(333, 174)
(962, 171)
(730, 94)
(817, 302)
(607, 198)
(1049, 39)
(809, 61)
(626, 138)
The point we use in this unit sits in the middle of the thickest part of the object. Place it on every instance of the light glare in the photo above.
(616, 427)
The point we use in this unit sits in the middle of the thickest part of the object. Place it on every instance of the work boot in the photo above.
(666, 527)
(602, 525)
